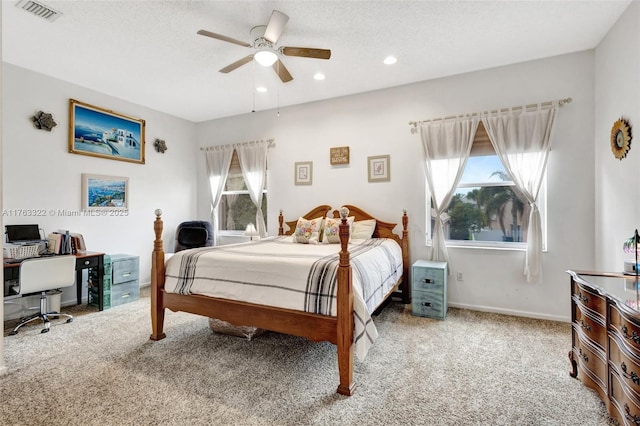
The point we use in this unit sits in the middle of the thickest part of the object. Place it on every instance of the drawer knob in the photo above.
(584, 356)
(634, 336)
(427, 280)
(587, 327)
(584, 299)
(627, 414)
(633, 376)
(427, 304)
(86, 262)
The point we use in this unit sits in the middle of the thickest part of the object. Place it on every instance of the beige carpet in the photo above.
(472, 369)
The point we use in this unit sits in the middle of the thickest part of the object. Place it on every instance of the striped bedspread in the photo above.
(274, 271)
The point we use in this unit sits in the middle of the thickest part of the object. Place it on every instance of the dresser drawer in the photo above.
(125, 270)
(592, 365)
(125, 292)
(626, 364)
(428, 304)
(626, 404)
(589, 298)
(88, 262)
(589, 328)
(425, 279)
(624, 327)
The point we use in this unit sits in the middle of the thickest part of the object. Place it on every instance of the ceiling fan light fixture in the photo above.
(265, 57)
(318, 76)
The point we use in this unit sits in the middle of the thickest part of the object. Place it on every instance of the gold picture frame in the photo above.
(99, 132)
(378, 168)
(303, 173)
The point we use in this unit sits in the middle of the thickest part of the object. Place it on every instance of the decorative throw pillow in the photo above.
(307, 230)
(332, 230)
(363, 229)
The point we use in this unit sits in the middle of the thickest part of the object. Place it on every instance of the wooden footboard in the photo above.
(338, 330)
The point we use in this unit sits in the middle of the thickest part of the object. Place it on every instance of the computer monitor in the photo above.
(22, 233)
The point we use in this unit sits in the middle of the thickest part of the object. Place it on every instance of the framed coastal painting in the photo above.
(104, 133)
(101, 192)
(378, 168)
(304, 173)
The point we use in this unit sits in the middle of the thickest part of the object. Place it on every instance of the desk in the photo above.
(88, 260)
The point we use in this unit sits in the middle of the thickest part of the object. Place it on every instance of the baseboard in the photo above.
(513, 312)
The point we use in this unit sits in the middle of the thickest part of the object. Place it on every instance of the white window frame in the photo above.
(492, 245)
(235, 166)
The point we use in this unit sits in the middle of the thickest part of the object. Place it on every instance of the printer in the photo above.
(20, 235)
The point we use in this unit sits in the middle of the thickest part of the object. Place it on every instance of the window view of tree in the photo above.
(486, 205)
(236, 210)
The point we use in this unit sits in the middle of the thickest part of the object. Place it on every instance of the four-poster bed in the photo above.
(336, 327)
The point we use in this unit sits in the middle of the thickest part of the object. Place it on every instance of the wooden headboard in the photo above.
(383, 229)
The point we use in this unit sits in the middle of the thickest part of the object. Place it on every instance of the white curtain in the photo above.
(522, 138)
(218, 161)
(253, 162)
(446, 146)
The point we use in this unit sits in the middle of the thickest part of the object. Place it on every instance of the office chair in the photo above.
(38, 275)
(192, 234)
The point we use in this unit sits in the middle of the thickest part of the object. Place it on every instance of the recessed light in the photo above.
(318, 76)
(390, 60)
(261, 89)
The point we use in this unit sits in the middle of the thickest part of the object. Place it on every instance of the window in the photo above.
(236, 210)
(487, 209)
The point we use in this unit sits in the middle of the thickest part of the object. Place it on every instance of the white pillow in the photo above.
(363, 229)
(332, 230)
(307, 230)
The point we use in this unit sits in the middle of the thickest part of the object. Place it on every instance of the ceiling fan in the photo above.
(265, 44)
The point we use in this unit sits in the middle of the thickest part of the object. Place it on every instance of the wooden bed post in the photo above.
(280, 224)
(157, 281)
(345, 326)
(406, 259)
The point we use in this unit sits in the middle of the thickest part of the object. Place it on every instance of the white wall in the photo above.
(39, 172)
(3, 368)
(617, 93)
(376, 123)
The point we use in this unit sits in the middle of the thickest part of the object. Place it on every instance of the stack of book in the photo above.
(65, 242)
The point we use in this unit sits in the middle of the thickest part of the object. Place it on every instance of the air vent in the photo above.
(39, 9)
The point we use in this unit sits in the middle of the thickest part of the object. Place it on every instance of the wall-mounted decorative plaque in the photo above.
(620, 138)
(339, 155)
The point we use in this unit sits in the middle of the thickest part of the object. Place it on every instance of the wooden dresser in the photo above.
(605, 353)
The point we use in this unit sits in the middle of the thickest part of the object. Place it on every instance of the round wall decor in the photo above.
(620, 138)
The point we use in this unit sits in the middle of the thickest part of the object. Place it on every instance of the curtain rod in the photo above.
(271, 143)
(561, 102)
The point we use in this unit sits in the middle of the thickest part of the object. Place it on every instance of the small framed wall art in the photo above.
(100, 192)
(378, 168)
(339, 155)
(304, 173)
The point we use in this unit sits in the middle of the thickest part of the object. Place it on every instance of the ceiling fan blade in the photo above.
(306, 52)
(282, 71)
(237, 64)
(223, 38)
(275, 27)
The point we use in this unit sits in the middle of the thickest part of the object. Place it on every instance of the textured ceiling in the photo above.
(148, 52)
